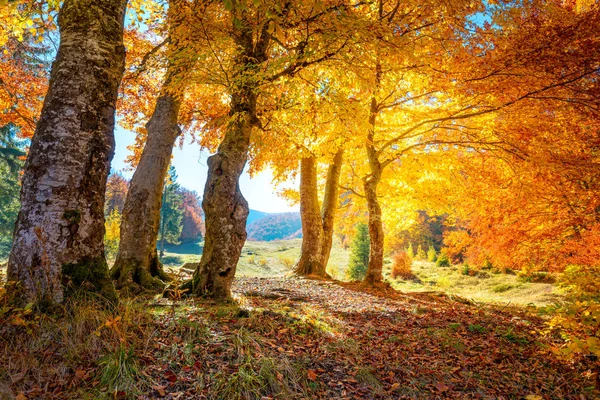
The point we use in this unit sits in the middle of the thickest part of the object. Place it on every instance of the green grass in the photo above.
(484, 286)
(260, 259)
(277, 259)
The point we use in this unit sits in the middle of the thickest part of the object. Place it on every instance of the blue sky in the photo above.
(190, 164)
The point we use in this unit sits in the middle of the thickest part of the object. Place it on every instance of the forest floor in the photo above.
(277, 259)
(290, 338)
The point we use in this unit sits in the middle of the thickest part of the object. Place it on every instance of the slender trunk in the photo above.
(374, 270)
(58, 241)
(310, 262)
(330, 205)
(162, 224)
(137, 266)
(225, 209)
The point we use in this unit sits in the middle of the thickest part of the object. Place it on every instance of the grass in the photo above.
(260, 259)
(277, 259)
(483, 286)
(259, 347)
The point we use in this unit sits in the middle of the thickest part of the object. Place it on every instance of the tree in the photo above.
(171, 212)
(270, 43)
(192, 223)
(116, 192)
(137, 265)
(360, 249)
(58, 240)
(11, 152)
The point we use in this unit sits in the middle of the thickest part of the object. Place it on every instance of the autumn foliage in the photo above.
(401, 267)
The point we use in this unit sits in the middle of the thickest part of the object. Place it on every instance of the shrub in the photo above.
(111, 234)
(252, 259)
(431, 254)
(487, 265)
(536, 277)
(262, 262)
(287, 262)
(466, 270)
(442, 261)
(359, 258)
(401, 267)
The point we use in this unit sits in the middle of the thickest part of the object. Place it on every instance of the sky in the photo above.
(190, 164)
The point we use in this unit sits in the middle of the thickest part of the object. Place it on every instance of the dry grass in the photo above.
(82, 346)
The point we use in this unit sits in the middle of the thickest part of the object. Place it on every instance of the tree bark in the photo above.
(310, 262)
(137, 266)
(376, 236)
(374, 270)
(330, 205)
(58, 242)
(225, 208)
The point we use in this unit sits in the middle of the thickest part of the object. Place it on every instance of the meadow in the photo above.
(276, 259)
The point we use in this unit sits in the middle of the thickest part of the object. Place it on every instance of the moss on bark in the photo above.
(90, 275)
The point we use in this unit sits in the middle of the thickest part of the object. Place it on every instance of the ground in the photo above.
(277, 258)
(290, 338)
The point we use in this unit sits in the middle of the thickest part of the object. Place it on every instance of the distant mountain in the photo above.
(255, 216)
(275, 226)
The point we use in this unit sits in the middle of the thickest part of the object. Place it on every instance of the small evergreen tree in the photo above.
(359, 259)
(410, 251)
(431, 254)
(171, 213)
(421, 253)
(11, 152)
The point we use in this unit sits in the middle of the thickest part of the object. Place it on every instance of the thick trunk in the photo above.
(137, 266)
(312, 228)
(58, 242)
(225, 208)
(330, 205)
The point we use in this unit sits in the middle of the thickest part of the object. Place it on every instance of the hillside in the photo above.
(275, 226)
(255, 215)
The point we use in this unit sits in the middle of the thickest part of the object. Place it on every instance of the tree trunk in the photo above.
(310, 262)
(375, 268)
(225, 209)
(137, 266)
(58, 241)
(330, 205)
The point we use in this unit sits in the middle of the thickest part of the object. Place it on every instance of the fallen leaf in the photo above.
(441, 386)
(312, 375)
(160, 390)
